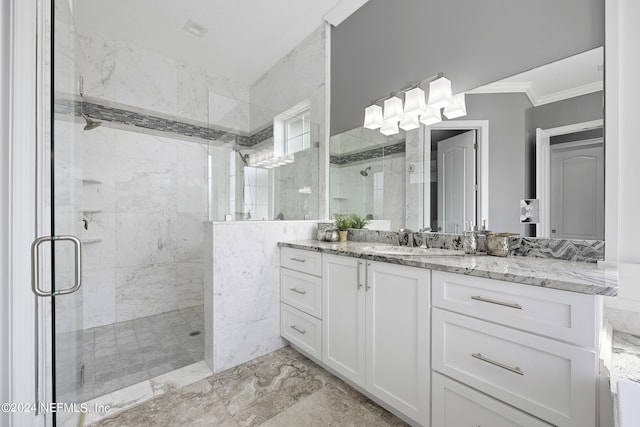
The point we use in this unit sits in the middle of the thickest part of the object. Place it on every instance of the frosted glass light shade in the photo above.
(393, 110)
(409, 123)
(440, 93)
(431, 117)
(389, 128)
(457, 109)
(373, 117)
(414, 102)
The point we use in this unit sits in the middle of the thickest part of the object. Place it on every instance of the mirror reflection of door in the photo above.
(570, 181)
(577, 189)
(454, 200)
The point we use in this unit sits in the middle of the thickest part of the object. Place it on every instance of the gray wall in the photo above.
(508, 116)
(569, 111)
(386, 45)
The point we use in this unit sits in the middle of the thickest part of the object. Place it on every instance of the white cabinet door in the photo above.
(344, 316)
(398, 337)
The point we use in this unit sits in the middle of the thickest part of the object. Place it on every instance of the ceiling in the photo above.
(245, 38)
(573, 76)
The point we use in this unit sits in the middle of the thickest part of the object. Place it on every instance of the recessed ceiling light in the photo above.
(195, 28)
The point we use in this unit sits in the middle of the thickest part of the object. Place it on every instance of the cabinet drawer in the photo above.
(567, 316)
(548, 379)
(301, 291)
(301, 330)
(455, 405)
(300, 260)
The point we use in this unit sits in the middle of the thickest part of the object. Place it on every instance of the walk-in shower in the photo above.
(171, 147)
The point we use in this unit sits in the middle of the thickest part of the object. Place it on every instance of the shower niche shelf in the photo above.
(91, 211)
(91, 181)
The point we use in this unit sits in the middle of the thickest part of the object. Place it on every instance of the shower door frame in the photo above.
(23, 365)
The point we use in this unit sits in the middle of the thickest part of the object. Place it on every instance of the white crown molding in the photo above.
(502, 87)
(534, 96)
(342, 11)
(570, 93)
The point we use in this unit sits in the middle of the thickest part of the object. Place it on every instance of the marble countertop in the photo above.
(587, 278)
(625, 357)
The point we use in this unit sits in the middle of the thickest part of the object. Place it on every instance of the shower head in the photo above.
(364, 171)
(243, 157)
(91, 124)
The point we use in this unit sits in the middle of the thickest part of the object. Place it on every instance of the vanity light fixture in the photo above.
(416, 110)
(458, 108)
(389, 128)
(414, 102)
(440, 93)
(409, 123)
(431, 117)
(393, 110)
(266, 159)
(373, 117)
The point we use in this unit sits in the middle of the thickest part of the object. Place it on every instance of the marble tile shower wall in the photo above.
(112, 71)
(146, 255)
(381, 193)
(297, 77)
(145, 211)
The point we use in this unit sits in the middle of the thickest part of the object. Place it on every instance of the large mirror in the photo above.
(534, 136)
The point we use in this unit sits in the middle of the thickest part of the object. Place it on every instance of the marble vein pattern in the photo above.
(242, 288)
(581, 277)
(282, 388)
(572, 250)
(625, 357)
(562, 249)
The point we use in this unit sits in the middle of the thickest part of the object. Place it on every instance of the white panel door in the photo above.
(343, 347)
(577, 191)
(456, 182)
(398, 337)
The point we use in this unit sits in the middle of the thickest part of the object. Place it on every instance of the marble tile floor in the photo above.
(282, 388)
(125, 353)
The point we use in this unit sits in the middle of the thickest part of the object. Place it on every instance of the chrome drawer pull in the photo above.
(492, 301)
(515, 370)
(298, 259)
(295, 328)
(296, 290)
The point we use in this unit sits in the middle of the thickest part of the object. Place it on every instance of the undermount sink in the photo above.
(408, 251)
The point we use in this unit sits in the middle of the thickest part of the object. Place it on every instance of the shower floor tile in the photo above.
(126, 353)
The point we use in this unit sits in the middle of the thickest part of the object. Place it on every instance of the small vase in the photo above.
(343, 235)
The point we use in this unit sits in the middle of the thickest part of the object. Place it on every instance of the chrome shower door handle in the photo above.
(35, 261)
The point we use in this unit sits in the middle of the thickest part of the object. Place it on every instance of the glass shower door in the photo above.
(66, 215)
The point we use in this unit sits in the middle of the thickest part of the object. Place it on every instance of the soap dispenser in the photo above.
(470, 239)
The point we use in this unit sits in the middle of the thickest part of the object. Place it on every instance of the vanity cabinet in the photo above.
(531, 348)
(376, 330)
(455, 405)
(301, 300)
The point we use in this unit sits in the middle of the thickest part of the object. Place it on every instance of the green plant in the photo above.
(343, 222)
(357, 221)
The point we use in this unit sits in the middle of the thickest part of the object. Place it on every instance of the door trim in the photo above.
(482, 139)
(543, 169)
(22, 219)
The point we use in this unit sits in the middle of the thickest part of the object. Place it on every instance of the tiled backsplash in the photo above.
(566, 249)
